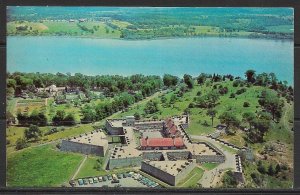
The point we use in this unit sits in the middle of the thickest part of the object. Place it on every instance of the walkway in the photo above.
(78, 169)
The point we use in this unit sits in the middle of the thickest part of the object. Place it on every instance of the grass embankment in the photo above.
(41, 166)
(192, 178)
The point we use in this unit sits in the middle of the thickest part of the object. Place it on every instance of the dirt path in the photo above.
(79, 167)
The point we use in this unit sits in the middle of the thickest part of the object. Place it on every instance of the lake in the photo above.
(151, 57)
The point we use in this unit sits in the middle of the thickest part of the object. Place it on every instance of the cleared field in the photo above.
(41, 166)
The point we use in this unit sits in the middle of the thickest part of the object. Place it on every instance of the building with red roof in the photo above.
(161, 143)
(170, 129)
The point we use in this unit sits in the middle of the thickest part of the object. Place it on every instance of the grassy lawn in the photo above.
(192, 178)
(89, 167)
(41, 166)
(228, 149)
(209, 166)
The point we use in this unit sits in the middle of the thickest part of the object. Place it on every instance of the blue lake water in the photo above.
(151, 57)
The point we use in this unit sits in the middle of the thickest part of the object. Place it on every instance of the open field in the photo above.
(41, 166)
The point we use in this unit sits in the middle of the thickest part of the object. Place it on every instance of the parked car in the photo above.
(119, 176)
(100, 179)
(72, 183)
(124, 175)
(95, 180)
(91, 180)
(80, 182)
(85, 181)
(104, 178)
(131, 173)
(109, 177)
(114, 176)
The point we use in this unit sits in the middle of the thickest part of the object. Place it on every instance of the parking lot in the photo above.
(131, 179)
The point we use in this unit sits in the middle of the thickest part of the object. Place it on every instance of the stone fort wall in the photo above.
(70, 146)
(166, 177)
(124, 162)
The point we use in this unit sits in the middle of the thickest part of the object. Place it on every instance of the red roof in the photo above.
(171, 127)
(178, 142)
(161, 142)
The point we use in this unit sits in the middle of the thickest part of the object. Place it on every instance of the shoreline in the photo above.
(157, 38)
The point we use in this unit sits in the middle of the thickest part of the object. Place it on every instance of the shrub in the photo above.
(192, 105)
(240, 91)
(232, 95)
(246, 104)
(21, 143)
(58, 145)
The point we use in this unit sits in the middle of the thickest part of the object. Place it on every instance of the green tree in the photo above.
(33, 132)
(211, 113)
(201, 78)
(69, 119)
(151, 107)
(188, 80)
(271, 170)
(170, 80)
(137, 116)
(250, 75)
(229, 119)
(249, 117)
(272, 103)
(59, 117)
